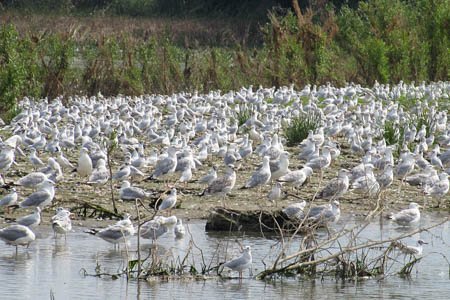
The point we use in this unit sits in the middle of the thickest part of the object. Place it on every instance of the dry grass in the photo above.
(186, 32)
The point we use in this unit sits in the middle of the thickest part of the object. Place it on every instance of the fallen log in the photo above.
(222, 219)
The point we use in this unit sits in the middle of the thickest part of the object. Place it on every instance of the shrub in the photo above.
(300, 126)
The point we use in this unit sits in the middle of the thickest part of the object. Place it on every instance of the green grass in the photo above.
(300, 126)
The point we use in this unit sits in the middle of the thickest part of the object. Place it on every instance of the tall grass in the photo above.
(368, 43)
(300, 127)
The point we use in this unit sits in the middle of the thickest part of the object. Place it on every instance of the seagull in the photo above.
(31, 220)
(260, 176)
(61, 222)
(118, 232)
(241, 263)
(32, 180)
(17, 235)
(222, 185)
(166, 165)
(386, 178)
(324, 213)
(100, 174)
(153, 229)
(407, 216)
(276, 192)
(321, 162)
(414, 250)
(336, 187)
(123, 173)
(128, 192)
(42, 197)
(297, 177)
(210, 177)
(10, 199)
(280, 166)
(439, 188)
(84, 168)
(7, 158)
(170, 201)
(35, 160)
(179, 229)
(295, 211)
(64, 162)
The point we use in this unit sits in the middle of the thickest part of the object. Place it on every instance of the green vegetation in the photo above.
(384, 41)
(299, 128)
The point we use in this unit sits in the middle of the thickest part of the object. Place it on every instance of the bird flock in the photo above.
(201, 145)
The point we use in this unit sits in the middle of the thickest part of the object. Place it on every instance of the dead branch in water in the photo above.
(297, 264)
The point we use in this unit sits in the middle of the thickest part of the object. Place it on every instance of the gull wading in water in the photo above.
(241, 263)
(411, 250)
(17, 235)
(324, 213)
(61, 222)
(407, 216)
(118, 232)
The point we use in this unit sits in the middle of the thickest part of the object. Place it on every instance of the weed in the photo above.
(300, 127)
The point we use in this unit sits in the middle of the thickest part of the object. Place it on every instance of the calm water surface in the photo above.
(50, 266)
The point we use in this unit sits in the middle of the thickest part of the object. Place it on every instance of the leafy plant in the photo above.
(300, 126)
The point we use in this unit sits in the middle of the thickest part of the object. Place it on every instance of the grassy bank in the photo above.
(384, 41)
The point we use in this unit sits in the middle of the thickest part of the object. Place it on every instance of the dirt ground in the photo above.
(73, 192)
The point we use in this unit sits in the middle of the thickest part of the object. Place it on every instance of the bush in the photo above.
(300, 126)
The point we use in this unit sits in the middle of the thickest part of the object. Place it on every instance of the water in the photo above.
(50, 266)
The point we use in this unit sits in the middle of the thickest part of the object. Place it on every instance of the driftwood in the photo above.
(222, 219)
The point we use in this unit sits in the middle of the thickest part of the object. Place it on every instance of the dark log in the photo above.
(222, 219)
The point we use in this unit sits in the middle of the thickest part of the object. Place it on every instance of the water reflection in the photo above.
(54, 265)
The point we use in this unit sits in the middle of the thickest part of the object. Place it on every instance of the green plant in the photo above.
(242, 116)
(300, 127)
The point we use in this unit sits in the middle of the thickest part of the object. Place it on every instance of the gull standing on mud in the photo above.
(440, 188)
(210, 177)
(336, 187)
(241, 263)
(222, 185)
(170, 201)
(100, 174)
(9, 200)
(166, 165)
(33, 180)
(42, 197)
(84, 168)
(297, 177)
(295, 211)
(261, 176)
(128, 192)
(407, 216)
(280, 166)
(276, 192)
(6, 158)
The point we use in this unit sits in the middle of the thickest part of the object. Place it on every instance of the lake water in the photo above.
(54, 267)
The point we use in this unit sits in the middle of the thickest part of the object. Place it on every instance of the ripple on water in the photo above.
(50, 265)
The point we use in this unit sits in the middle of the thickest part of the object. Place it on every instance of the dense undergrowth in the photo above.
(380, 40)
